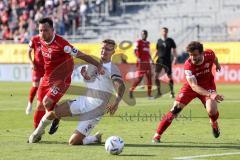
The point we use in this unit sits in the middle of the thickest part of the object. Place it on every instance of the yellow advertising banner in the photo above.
(13, 53)
(17, 53)
(227, 52)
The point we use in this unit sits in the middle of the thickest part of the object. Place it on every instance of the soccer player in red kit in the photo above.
(142, 52)
(58, 64)
(37, 64)
(199, 84)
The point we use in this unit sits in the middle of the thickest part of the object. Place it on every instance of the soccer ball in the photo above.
(114, 145)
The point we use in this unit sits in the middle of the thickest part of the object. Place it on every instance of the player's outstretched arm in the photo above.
(30, 57)
(174, 52)
(120, 89)
(195, 87)
(218, 66)
(90, 60)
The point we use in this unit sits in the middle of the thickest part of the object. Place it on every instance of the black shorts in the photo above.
(166, 66)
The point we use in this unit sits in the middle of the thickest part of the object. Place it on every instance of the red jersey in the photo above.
(203, 72)
(143, 50)
(38, 61)
(58, 61)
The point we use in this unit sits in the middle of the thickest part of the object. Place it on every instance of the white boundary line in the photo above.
(207, 155)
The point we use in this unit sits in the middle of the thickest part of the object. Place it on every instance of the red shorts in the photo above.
(186, 94)
(54, 92)
(37, 75)
(143, 68)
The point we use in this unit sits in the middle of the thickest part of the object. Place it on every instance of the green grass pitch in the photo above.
(189, 135)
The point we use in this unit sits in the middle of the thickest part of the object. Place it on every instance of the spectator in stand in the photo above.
(20, 15)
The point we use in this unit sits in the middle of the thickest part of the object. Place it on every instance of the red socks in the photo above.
(37, 117)
(165, 122)
(168, 118)
(32, 93)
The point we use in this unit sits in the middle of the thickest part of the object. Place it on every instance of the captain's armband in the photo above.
(71, 50)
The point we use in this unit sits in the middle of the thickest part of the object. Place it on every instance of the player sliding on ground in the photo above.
(58, 64)
(89, 108)
(199, 83)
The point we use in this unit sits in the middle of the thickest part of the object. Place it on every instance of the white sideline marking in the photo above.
(207, 155)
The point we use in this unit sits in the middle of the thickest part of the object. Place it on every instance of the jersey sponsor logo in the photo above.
(146, 49)
(206, 65)
(47, 55)
(67, 49)
(203, 72)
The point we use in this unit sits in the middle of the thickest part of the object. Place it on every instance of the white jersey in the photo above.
(91, 107)
(104, 82)
(99, 92)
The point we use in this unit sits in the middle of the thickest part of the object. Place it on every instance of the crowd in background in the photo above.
(18, 17)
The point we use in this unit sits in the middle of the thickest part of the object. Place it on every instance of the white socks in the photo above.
(29, 108)
(43, 124)
(89, 140)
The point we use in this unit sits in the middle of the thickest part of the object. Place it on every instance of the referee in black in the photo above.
(166, 47)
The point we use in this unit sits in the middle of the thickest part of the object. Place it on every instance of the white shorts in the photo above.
(83, 106)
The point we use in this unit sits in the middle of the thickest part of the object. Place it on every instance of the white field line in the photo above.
(207, 155)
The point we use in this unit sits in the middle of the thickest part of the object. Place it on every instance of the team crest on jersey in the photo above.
(206, 65)
(67, 49)
(49, 50)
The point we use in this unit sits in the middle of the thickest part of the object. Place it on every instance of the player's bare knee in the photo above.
(211, 107)
(47, 104)
(40, 106)
(35, 84)
(176, 109)
(75, 141)
(63, 110)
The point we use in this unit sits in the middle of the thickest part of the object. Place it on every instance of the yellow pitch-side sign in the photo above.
(227, 52)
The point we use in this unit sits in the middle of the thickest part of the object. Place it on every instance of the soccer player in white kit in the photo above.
(91, 107)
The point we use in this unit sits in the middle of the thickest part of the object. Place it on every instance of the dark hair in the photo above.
(165, 28)
(46, 20)
(145, 32)
(195, 45)
(109, 41)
